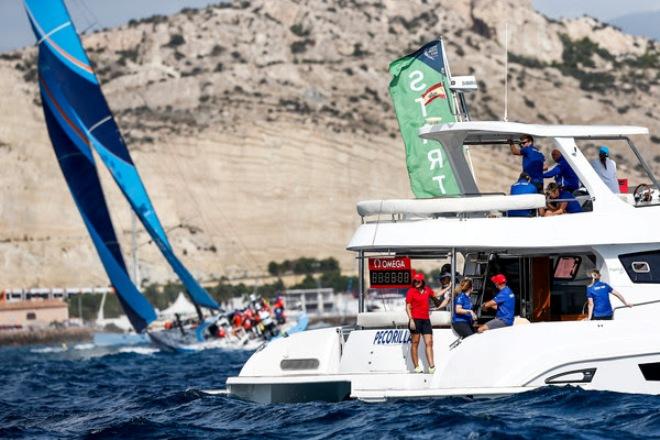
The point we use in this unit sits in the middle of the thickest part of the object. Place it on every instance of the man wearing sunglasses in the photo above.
(533, 159)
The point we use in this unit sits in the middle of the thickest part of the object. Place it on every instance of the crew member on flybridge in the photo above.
(564, 175)
(606, 168)
(521, 187)
(533, 159)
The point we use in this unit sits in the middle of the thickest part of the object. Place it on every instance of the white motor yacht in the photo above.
(547, 261)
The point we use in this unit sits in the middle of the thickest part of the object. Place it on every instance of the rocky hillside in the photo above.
(257, 125)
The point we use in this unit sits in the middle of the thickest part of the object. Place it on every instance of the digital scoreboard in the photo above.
(390, 272)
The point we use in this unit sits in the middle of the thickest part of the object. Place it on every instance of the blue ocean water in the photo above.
(86, 392)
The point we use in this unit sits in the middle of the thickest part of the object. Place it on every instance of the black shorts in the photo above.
(602, 318)
(422, 326)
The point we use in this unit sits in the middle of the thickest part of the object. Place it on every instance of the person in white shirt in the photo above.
(606, 169)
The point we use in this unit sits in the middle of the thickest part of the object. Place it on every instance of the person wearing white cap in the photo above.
(606, 169)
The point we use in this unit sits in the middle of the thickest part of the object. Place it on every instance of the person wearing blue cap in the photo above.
(533, 159)
(606, 169)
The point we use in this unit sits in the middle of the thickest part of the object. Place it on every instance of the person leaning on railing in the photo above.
(559, 201)
(598, 297)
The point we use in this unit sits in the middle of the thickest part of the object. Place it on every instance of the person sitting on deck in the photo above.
(606, 169)
(533, 159)
(560, 202)
(564, 175)
(419, 321)
(463, 317)
(504, 302)
(598, 297)
(522, 186)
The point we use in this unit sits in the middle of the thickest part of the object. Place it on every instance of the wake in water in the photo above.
(133, 393)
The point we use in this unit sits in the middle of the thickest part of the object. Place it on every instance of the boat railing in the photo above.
(492, 206)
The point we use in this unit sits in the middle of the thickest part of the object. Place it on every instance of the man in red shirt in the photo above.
(419, 320)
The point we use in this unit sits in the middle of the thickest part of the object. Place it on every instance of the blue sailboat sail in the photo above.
(72, 80)
(77, 163)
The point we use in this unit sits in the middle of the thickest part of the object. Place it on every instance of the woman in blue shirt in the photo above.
(463, 317)
(598, 297)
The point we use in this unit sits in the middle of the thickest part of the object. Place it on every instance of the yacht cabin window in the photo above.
(642, 267)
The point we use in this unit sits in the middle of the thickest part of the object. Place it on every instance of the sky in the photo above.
(602, 9)
(100, 14)
(97, 14)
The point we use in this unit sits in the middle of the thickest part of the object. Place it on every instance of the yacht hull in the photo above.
(374, 364)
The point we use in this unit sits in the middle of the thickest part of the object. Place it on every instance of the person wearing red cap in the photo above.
(504, 302)
(419, 320)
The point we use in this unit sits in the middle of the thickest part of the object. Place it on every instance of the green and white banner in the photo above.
(421, 95)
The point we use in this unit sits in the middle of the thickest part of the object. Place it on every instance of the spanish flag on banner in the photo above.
(419, 92)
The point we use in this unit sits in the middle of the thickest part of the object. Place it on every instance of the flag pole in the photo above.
(506, 72)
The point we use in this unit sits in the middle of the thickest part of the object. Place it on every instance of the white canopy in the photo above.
(181, 306)
(427, 207)
(484, 131)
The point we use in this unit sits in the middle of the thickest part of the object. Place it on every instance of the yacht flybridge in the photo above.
(547, 261)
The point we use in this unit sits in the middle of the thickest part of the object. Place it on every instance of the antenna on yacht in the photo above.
(506, 72)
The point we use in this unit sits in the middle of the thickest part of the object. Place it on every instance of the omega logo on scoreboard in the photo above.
(389, 272)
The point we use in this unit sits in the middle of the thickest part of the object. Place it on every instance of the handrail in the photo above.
(655, 301)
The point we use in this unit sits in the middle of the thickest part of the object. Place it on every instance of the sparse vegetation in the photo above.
(577, 56)
(532, 63)
(127, 55)
(217, 50)
(300, 46)
(298, 30)
(176, 40)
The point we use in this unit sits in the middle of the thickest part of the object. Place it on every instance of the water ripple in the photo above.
(103, 393)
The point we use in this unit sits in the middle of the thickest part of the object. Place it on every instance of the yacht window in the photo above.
(642, 267)
(31, 315)
(299, 364)
(651, 371)
(567, 267)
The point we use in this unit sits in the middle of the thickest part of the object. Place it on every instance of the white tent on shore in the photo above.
(181, 306)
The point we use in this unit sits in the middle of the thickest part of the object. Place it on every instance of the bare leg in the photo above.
(414, 346)
(428, 342)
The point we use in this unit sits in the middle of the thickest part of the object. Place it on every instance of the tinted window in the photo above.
(650, 371)
(642, 267)
(31, 315)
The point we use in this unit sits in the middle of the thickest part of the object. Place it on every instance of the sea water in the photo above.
(139, 392)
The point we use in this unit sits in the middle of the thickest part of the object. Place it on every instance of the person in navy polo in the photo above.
(564, 175)
(559, 201)
(463, 317)
(522, 186)
(504, 302)
(598, 298)
(533, 159)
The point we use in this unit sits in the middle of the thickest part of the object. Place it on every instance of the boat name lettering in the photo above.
(384, 337)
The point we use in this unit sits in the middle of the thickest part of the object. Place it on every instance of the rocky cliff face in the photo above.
(257, 126)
